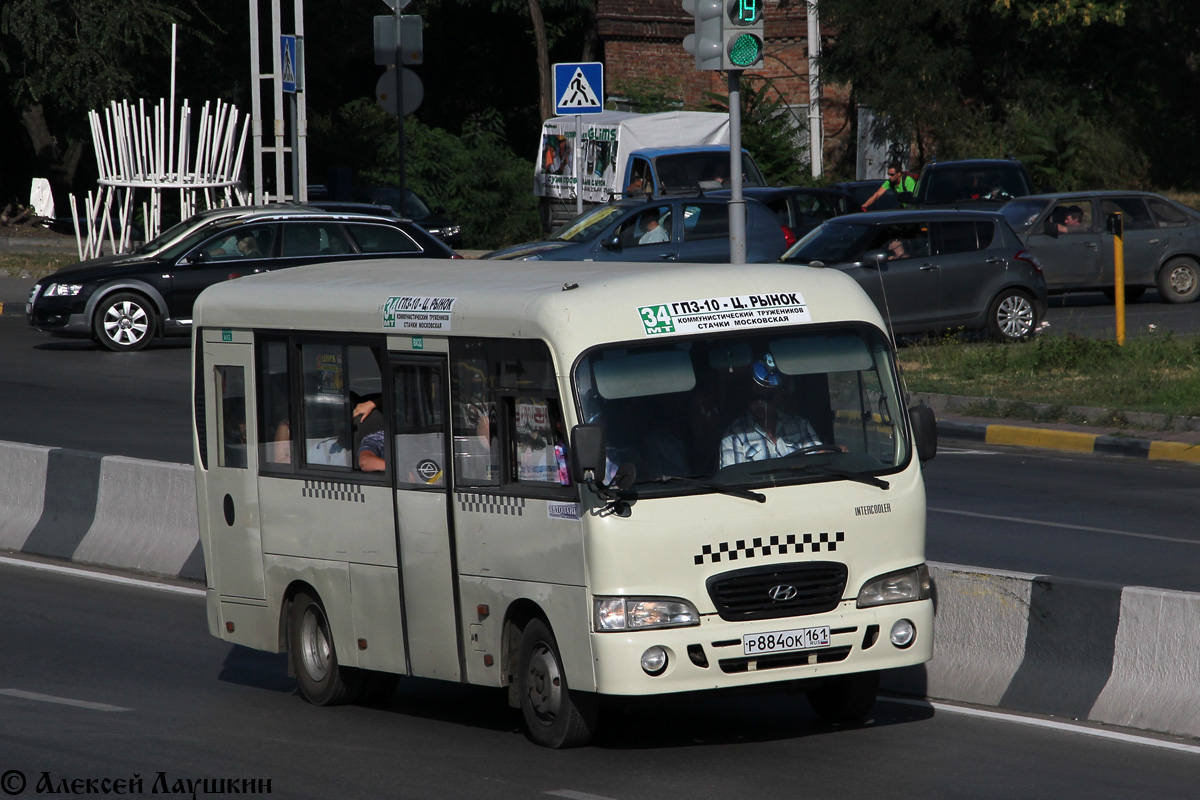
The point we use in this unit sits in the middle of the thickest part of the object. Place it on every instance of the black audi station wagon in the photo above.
(125, 301)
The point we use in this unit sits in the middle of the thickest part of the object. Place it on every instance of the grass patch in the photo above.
(22, 265)
(1159, 374)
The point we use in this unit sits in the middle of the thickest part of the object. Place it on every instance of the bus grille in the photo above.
(747, 594)
(829, 655)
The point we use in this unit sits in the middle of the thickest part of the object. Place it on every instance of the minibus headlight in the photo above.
(641, 613)
(901, 586)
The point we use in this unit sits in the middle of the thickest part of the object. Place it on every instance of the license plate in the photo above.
(754, 644)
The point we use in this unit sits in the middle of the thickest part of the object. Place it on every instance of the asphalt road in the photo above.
(71, 393)
(110, 682)
(1092, 517)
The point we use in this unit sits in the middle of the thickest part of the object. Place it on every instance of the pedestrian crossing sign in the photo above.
(579, 88)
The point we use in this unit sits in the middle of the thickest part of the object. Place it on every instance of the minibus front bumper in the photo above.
(712, 655)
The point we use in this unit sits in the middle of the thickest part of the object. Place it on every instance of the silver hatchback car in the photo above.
(935, 270)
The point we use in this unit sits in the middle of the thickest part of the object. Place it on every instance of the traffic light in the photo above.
(744, 37)
(706, 44)
(728, 33)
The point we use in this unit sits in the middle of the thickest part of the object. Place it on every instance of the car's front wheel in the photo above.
(124, 322)
(1012, 316)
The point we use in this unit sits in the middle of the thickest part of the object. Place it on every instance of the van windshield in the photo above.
(746, 411)
(687, 173)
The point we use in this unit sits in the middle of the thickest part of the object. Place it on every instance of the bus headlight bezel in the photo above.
(621, 613)
(901, 586)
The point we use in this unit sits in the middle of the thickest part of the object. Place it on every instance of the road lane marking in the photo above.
(1036, 722)
(573, 795)
(103, 577)
(62, 701)
(1066, 525)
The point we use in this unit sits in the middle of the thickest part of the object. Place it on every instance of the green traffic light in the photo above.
(745, 50)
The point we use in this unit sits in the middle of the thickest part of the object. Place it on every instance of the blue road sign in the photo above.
(287, 59)
(579, 88)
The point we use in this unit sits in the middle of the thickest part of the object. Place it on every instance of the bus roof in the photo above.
(572, 304)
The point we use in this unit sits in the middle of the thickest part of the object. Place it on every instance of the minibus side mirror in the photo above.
(924, 427)
(587, 453)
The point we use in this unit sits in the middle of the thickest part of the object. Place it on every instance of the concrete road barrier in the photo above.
(106, 511)
(1121, 655)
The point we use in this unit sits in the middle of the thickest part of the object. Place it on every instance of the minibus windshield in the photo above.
(746, 411)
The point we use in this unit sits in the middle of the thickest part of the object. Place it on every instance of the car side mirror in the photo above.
(612, 243)
(196, 257)
(875, 259)
(1049, 228)
(924, 427)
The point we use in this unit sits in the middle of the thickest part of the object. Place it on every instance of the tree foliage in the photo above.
(769, 131)
(1092, 94)
(474, 174)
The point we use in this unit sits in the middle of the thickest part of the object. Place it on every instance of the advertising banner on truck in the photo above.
(606, 141)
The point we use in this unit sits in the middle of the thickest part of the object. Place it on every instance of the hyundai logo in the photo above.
(782, 593)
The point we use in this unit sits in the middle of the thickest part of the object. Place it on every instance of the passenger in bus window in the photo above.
(371, 453)
(765, 431)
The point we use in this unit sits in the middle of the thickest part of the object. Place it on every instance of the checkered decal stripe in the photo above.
(491, 504)
(326, 490)
(791, 543)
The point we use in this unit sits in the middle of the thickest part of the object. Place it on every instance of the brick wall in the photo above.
(645, 41)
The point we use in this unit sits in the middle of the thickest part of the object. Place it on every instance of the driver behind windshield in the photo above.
(765, 431)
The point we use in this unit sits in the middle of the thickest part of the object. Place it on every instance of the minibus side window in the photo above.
(420, 426)
(275, 400)
(476, 456)
(539, 443)
(327, 440)
(231, 416)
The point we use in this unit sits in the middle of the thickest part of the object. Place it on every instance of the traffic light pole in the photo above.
(737, 205)
(400, 113)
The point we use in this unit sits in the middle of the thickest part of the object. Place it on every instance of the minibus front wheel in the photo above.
(554, 715)
(323, 682)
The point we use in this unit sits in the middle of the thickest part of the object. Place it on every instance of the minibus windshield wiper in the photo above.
(821, 469)
(745, 494)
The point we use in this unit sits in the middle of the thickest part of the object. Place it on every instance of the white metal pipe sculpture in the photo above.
(140, 150)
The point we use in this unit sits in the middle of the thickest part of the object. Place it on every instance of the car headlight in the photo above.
(642, 613)
(901, 586)
(62, 290)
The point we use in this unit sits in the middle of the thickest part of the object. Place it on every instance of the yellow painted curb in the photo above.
(1175, 451)
(1041, 437)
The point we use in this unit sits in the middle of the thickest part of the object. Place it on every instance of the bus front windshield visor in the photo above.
(747, 411)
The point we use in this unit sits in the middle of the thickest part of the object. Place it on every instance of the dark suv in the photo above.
(124, 301)
(985, 183)
(935, 269)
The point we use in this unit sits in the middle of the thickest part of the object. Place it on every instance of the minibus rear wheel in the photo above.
(554, 715)
(323, 682)
(845, 698)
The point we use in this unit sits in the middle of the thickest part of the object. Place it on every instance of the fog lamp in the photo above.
(903, 633)
(654, 660)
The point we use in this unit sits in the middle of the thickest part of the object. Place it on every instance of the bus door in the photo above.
(232, 496)
(421, 448)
